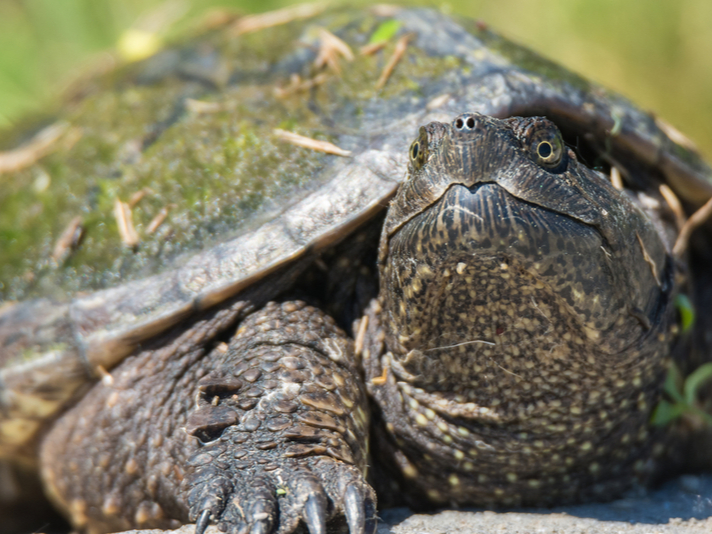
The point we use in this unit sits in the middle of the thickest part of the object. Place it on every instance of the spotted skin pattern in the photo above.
(519, 370)
(512, 355)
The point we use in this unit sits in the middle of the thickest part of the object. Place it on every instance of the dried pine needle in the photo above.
(307, 142)
(39, 146)
(124, 221)
(253, 23)
(401, 47)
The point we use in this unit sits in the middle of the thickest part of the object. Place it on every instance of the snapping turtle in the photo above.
(504, 342)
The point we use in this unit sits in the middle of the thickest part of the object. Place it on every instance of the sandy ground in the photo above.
(683, 505)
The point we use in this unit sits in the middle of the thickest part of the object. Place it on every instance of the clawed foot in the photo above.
(264, 499)
(283, 430)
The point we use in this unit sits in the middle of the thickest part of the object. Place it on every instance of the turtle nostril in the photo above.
(470, 123)
(459, 124)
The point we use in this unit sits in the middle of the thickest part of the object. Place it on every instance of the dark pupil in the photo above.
(544, 150)
(415, 150)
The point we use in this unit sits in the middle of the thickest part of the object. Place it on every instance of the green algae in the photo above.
(216, 173)
(136, 136)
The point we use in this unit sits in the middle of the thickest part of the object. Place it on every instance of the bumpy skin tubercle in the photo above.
(258, 433)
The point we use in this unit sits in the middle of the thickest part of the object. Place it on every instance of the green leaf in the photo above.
(687, 312)
(695, 380)
(385, 31)
(666, 412)
(673, 381)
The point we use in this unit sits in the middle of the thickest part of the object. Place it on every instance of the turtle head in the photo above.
(506, 263)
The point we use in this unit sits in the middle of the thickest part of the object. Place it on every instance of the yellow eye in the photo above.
(414, 150)
(545, 150)
(547, 147)
(419, 150)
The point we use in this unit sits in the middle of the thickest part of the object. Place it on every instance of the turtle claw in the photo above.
(359, 508)
(261, 527)
(203, 521)
(315, 514)
(313, 493)
(354, 510)
(264, 510)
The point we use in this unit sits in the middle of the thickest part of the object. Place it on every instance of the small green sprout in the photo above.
(683, 396)
(617, 123)
(687, 312)
(385, 31)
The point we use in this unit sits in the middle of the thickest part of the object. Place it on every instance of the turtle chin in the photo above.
(488, 294)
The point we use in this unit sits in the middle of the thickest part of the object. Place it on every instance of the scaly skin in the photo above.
(260, 432)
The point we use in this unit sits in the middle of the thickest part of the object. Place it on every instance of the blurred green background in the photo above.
(657, 52)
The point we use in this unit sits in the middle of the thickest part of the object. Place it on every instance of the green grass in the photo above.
(656, 52)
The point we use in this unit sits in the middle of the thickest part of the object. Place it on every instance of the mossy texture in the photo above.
(220, 171)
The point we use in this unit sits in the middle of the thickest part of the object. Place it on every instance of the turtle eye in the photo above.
(547, 147)
(419, 150)
(414, 150)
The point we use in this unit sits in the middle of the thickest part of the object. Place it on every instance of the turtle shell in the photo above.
(170, 186)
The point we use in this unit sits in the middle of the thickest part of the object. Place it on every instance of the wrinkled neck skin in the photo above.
(519, 302)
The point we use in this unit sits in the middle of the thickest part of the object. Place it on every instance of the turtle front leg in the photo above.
(283, 423)
(256, 434)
